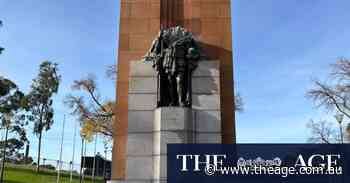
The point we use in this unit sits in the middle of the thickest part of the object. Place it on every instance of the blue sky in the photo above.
(279, 46)
(80, 36)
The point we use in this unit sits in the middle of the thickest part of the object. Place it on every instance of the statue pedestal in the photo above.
(171, 125)
(149, 129)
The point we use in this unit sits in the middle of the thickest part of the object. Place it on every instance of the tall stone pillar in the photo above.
(140, 22)
(171, 125)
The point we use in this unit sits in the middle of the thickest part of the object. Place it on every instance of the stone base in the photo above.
(151, 129)
(172, 125)
(147, 153)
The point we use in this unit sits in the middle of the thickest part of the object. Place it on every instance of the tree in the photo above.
(44, 86)
(12, 145)
(238, 103)
(323, 132)
(111, 72)
(11, 101)
(334, 95)
(95, 115)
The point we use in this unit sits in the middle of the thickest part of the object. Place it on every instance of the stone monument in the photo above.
(186, 97)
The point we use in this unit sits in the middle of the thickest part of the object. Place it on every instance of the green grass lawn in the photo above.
(25, 174)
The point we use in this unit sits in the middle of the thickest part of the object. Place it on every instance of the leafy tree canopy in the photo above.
(13, 146)
(12, 103)
(40, 101)
(95, 115)
(11, 98)
(44, 86)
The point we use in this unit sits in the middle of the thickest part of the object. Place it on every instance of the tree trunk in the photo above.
(26, 153)
(40, 135)
(39, 150)
(4, 157)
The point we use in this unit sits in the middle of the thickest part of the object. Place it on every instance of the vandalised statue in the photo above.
(174, 54)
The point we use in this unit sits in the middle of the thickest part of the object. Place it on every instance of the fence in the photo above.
(87, 170)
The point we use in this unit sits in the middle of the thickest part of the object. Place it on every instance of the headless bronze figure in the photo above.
(174, 54)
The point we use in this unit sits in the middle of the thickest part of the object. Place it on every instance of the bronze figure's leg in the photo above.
(172, 90)
(159, 90)
(181, 89)
(189, 89)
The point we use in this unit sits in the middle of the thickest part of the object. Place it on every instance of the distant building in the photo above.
(102, 166)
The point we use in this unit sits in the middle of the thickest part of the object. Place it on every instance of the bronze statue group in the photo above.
(174, 54)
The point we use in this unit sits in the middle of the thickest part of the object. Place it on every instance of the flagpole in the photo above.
(94, 163)
(75, 133)
(59, 162)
